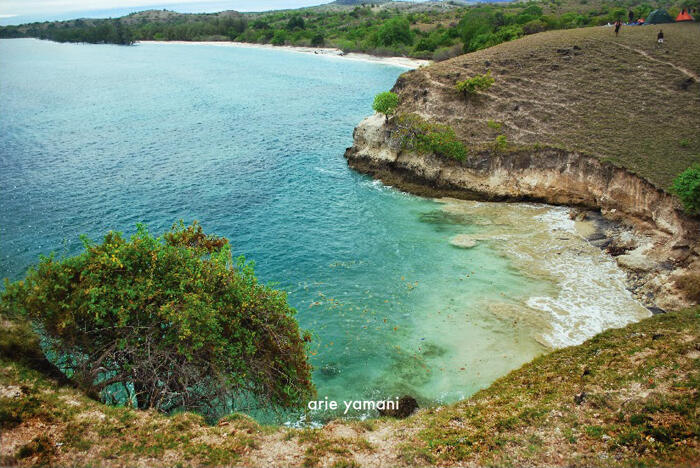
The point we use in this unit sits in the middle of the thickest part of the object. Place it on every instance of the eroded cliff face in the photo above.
(657, 244)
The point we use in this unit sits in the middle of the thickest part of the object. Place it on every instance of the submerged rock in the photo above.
(463, 241)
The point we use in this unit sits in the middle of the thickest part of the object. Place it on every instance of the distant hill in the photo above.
(359, 2)
(434, 30)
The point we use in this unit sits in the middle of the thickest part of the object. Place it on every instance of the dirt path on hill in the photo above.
(685, 71)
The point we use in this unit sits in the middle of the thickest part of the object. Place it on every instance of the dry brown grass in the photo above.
(620, 99)
(640, 407)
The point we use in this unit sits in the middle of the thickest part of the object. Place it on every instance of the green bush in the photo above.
(501, 142)
(415, 133)
(167, 323)
(279, 38)
(492, 124)
(687, 187)
(395, 31)
(475, 84)
(318, 40)
(386, 103)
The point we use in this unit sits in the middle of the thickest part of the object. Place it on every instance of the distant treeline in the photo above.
(384, 29)
(111, 31)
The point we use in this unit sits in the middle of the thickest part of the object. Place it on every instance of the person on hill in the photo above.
(660, 38)
(631, 17)
(618, 24)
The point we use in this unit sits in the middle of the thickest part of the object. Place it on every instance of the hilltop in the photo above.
(621, 99)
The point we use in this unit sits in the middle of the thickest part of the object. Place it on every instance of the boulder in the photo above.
(635, 262)
(407, 405)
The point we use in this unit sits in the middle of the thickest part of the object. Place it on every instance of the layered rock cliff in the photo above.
(659, 243)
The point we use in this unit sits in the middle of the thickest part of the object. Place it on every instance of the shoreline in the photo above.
(402, 62)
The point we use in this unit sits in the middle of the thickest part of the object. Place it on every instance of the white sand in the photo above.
(404, 62)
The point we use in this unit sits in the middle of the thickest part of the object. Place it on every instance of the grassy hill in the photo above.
(625, 397)
(622, 99)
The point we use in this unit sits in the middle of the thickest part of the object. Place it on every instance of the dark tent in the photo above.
(659, 16)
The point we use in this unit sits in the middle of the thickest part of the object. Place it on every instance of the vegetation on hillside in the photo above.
(687, 187)
(622, 99)
(475, 84)
(434, 30)
(626, 397)
(169, 323)
(415, 133)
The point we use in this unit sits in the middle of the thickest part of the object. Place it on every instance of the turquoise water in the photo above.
(250, 142)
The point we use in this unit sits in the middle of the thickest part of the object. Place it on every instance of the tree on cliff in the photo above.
(166, 323)
(386, 103)
(687, 187)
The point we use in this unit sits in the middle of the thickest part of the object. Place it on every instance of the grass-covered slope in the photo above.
(622, 99)
(625, 397)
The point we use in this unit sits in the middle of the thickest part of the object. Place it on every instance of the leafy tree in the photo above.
(295, 22)
(168, 323)
(260, 24)
(317, 40)
(687, 187)
(386, 103)
(476, 22)
(395, 31)
(279, 38)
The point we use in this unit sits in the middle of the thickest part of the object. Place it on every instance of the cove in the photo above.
(434, 298)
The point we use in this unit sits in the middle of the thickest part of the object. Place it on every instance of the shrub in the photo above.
(475, 84)
(534, 26)
(279, 38)
(318, 40)
(687, 187)
(445, 53)
(295, 22)
(415, 133)
(501, 142)
(167, 323)
(386, 103)
(492, 124)
(395, 31)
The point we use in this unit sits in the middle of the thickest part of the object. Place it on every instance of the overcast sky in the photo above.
(15, 11)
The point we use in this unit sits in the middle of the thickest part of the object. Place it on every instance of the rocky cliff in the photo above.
(653, 239)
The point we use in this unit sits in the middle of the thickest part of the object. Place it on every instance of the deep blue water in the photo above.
(250, 142)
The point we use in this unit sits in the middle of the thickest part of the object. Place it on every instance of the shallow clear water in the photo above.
(250, 142)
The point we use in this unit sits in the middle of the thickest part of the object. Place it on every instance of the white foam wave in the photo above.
(592, 294)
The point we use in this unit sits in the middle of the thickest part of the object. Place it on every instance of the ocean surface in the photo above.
(250, 142)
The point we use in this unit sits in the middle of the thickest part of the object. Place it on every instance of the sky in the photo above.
(23, 11)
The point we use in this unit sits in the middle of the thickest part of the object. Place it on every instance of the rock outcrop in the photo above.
(666, 240)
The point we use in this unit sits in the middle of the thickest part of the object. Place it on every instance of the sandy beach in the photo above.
(404, 62)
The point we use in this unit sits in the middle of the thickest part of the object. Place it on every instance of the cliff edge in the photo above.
(584, 119)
